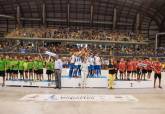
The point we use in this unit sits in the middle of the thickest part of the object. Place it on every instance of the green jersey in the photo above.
(21, 67)
(50, 65)
(2, 65)
(10, 64)
(25, 65)
(7, 63)
(15, 65)
(30, 65)
(35, 65)
(40, 64)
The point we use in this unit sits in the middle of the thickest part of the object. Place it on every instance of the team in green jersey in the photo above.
(15, 68)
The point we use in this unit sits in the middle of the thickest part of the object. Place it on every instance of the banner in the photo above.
(79, 97)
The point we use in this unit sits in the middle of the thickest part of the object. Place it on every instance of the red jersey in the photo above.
(134, 64)
(145, 64)
(130, 66)
(122, 66)
(157, 67)
(149, 65)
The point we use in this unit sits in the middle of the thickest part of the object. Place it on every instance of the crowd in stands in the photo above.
(145, 51)
(76, 34)
(14, 46)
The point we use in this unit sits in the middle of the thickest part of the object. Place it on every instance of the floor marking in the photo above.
(79, 97)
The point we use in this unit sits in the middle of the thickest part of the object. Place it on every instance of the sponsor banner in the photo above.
(79, 97)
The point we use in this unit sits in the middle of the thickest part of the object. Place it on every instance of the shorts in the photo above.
(40, 71)
(88, 67)
(121, 72)
(129, 72)
(8, 71)
(135, 71)
(2, 73)
(21, 72)
(15, 71)
(76, 66)
(49, 72)
(144, 71)
(26, 71)
(138, 71)
(36, 71)
(157, 76)
(30, 70)
(149, 71)
(71, 66)
(97, 67)
(91, 67)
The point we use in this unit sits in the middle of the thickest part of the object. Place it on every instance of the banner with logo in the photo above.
(79, 97)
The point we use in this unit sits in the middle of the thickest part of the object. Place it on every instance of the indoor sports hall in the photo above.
(82, 56)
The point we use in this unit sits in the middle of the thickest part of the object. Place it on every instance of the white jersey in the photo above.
(78, 60)
(91, 60)
(88, 61)
(72, 59)
(97, 60)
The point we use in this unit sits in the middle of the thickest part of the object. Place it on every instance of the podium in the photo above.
(100, 82)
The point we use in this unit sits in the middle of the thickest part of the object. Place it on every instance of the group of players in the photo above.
(25, 67)
(93, 62)
(135, 69)
(31, 67)
(125, 69)
(129, 69)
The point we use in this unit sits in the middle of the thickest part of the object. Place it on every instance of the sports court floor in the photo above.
(150, 101)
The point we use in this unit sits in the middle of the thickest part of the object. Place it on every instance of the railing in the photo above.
(105, 56)
(76, 40)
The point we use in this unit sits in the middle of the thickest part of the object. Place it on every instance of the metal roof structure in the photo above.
(146, 16)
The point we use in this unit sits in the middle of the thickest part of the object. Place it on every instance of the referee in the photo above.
(58, 69)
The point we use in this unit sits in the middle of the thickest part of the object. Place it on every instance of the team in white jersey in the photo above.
(93, 62)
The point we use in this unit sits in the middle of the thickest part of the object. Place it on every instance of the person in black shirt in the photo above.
(112, 72)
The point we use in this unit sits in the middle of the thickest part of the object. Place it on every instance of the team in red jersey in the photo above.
(138, 69)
